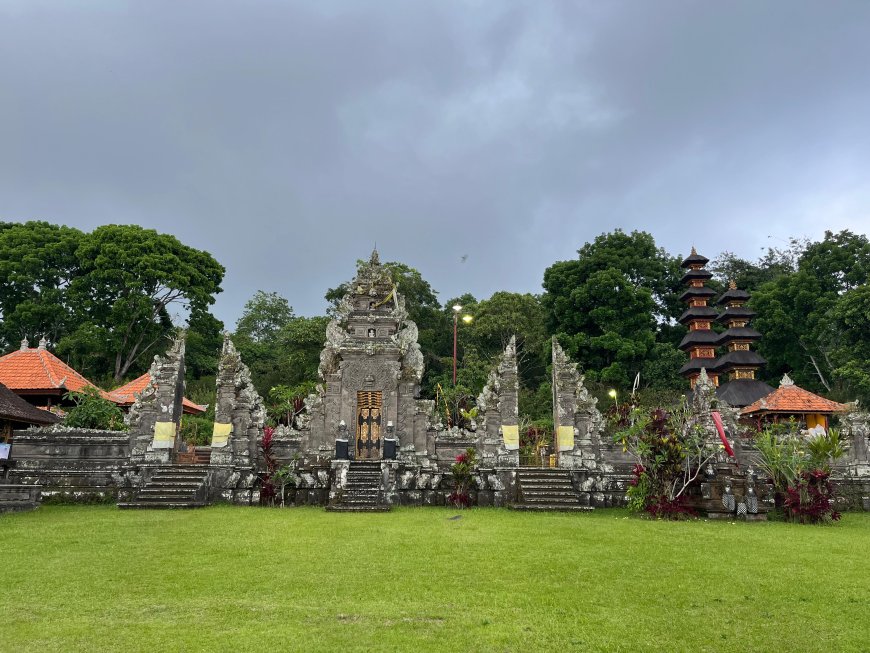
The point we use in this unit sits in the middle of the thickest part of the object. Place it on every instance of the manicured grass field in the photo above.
(249, 579)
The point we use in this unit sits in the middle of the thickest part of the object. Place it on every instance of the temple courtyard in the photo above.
(93, 578)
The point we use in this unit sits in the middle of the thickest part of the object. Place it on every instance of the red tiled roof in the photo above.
(126, 395)
(789, 398)
(30, 370)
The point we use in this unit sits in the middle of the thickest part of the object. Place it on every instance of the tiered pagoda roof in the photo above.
(739, 362)
(700, 341)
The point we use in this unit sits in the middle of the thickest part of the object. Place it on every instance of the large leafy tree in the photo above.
(129, 285)
(809, 317)
(38, 261)
(612, 304)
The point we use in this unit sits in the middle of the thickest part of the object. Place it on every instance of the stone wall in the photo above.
(74, 461)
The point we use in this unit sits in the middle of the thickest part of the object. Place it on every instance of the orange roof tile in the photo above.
(789, 398)
(126, 395)
(35, 369)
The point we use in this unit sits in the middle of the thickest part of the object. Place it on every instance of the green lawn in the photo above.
(248, 579)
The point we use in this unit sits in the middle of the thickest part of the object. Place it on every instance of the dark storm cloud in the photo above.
(286, 138)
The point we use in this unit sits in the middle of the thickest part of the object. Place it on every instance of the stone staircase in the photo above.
(362, 490)
(175, 486)
(547, 489)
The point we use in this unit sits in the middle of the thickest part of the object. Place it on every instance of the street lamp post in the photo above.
(456, 309)
(465, 318)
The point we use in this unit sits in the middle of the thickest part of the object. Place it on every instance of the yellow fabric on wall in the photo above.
(221, 434)
(511, 436)
(566, 438)
(164, 435)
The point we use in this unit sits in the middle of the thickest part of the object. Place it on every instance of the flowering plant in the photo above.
(463, 479)
(267, 482)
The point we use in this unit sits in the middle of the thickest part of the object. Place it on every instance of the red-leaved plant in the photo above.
(463, 480)
(267, 483)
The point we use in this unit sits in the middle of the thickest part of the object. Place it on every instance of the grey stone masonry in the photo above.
(498, 406)
(240, 417)
(577, 423)
(371, 355)
(155, 416)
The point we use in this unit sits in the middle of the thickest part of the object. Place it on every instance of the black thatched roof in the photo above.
(739, 359)
(693, 259)
(701, 337)
(742, 392)
(698, 313)
(693, 292)
(696, 364)
(691, 275)
(733, 295)
(15, 409)
(738, 333)
(736, 313)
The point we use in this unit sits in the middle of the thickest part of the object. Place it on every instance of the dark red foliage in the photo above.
(811, 500)
(636, 473)
(662, 507)
(459, 499)
(267, 487)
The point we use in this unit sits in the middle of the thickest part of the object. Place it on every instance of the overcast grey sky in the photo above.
(287, 137)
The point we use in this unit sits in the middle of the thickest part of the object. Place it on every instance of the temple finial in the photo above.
(732, 285)
(375, 258)
(694, 251)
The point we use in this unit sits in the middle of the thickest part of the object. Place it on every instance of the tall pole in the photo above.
(455, 321)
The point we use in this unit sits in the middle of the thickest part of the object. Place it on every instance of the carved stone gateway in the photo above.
(370, 369)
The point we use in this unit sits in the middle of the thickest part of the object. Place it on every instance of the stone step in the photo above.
(564, 482)
(346, 508)
(166, 491)
(549, 493)
(132, 505)
(551, 507)
(550, 499)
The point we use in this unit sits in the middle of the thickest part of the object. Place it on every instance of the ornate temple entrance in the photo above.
(368, 425)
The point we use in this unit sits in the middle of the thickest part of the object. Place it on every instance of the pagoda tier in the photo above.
(739, 362)
(701, 341)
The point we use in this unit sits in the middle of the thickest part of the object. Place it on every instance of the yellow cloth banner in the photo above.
(221, 434)
(164, 435)
(511, 435)
(566, 438)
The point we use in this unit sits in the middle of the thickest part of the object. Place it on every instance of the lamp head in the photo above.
(457, 308)
(612, 393)
(467, 319)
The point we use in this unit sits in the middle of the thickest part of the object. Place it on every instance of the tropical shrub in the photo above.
(267, 478)
(799, 467)
(671, 449)
(92, 411)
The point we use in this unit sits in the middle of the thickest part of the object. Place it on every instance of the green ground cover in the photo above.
(242, 579)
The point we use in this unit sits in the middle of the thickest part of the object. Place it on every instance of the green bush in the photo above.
(92, 411)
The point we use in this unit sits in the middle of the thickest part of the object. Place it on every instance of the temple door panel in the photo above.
(369, 406)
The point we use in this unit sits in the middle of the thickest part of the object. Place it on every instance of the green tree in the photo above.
(38, 261)
(810, 318)
(129, 280)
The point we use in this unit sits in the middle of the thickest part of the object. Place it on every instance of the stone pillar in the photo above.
(576, 421)
(498, 403)
(155, 416)
(239, 412)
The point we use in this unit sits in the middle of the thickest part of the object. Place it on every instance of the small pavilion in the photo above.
(789, 401)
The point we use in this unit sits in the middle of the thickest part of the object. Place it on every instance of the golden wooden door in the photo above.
(368, 425)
